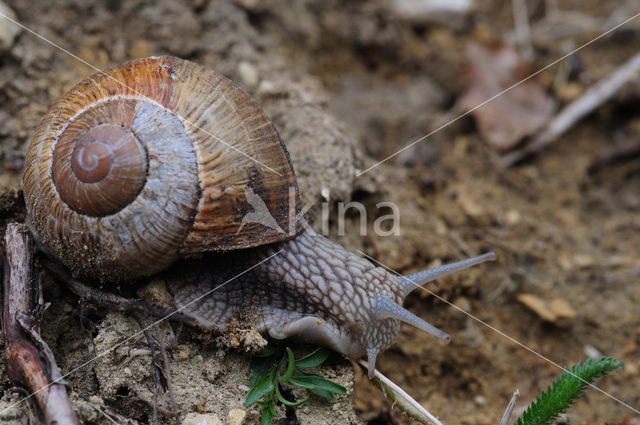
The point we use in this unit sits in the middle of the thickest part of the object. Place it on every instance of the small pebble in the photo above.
(325, 192)
(512, 217)
(183, 353)
(592, 352)
(236, 416)
(630, 369)
(156, 292)
(248, 74)
(201, 419)
(479, 400)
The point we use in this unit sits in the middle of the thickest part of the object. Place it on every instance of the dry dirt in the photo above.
(347, 84)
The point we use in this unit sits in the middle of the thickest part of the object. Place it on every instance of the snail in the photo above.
(159, 159)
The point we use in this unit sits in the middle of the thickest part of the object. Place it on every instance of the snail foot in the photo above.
(90, 294)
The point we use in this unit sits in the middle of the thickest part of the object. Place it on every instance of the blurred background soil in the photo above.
(348, 84)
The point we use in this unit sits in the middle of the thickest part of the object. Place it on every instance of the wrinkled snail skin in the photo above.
(155, 159)
(309, 288)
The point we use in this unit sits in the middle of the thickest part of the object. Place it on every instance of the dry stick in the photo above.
(112, 416)
(156, 368)
(167, 374)
(30, 362)
(590, 100)
(399, 396)
(509, 409)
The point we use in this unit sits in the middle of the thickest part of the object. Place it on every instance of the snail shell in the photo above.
(151, 160)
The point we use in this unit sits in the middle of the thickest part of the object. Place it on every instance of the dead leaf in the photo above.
(555, 310)
(513, 115)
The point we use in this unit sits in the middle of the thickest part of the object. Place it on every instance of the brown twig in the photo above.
(114, 417)
(30, 362)
(156, 368)
(599, 93)
(167, 373)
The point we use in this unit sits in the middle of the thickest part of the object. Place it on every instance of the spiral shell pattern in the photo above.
(151, 160)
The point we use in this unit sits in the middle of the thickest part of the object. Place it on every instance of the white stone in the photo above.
(479, 400)
(236, 416)
(248, 74)
(592, 352)
(201, 419)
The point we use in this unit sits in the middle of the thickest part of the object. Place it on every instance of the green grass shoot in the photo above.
(564, 392)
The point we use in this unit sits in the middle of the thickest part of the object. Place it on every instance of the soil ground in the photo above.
(347, 84)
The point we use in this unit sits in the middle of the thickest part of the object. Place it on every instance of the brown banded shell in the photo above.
(150, 160)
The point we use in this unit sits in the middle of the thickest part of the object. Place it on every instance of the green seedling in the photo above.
(271, 368)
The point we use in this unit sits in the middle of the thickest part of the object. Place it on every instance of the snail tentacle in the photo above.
(416, 280)
(387, 309)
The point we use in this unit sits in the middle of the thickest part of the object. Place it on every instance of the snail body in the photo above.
(159, 158)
